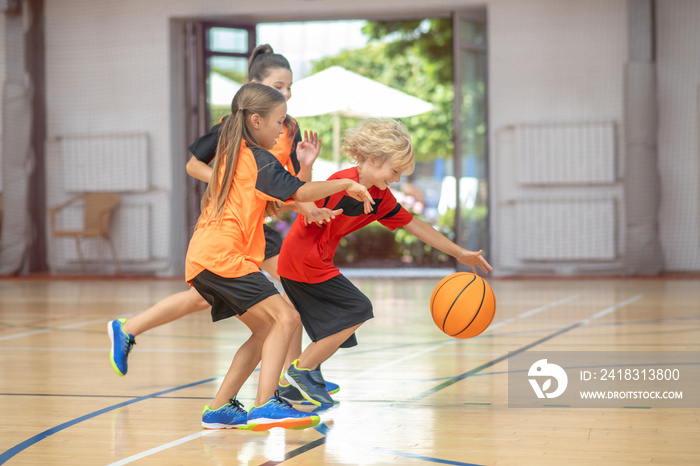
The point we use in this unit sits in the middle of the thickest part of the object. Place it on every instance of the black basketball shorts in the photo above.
(231, 297)
(328, 307)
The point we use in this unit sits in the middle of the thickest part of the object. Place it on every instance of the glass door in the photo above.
(217, 57)
(471, 133)
(226, 52)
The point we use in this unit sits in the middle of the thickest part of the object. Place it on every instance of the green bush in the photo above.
(375, 244)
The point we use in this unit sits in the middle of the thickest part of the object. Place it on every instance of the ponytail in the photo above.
(251, 98)
(263, 60)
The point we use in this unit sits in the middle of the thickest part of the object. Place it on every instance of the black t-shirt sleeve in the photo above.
(204, 148)
(273, 179)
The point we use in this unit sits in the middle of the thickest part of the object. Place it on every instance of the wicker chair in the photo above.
(99, 208)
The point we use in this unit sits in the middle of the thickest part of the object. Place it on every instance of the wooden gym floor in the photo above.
(409, 395)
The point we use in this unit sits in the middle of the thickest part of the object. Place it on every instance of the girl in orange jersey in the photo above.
(227, 249)
(297, 155)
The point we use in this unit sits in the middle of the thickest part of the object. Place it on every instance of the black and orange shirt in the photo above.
(285, 149)
(307, 251)
(235, 245)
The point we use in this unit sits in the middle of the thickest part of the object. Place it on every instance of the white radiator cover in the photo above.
(573, 153)
(110, 162)
(565, 230)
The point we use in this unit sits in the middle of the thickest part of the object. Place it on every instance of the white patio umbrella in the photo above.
(221, 89)
(340, 92)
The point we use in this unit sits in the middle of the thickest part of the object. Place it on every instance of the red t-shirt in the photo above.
(307, 251)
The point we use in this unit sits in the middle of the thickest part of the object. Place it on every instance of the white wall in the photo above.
(552, 64)
(2, 85)
(108, 71)
(678, 74)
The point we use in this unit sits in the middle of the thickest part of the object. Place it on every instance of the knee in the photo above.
(260, 332)
(289, 319)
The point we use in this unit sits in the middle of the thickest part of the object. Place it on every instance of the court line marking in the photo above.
(454, 340)
(160, 448)
(23, 445)
(614, 308)
(580, 323)
(402, 359)
(10, 453)
(320, 442)
(25, 334)
(61, 327)
(324, 429)
(531, 312)
(321, 428)
(547, 306)
(297, 451)
(84, 324)
(101, 350)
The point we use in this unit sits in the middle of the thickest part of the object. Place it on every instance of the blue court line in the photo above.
(469, 373)
(454, 380)
(603, 324)
(323, 428)
(9, 454)
(5, 456)
(418, 457)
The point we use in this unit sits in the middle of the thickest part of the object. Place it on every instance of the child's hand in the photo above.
(359, 192)
(321, 216)
(308, 149)
(473, 259)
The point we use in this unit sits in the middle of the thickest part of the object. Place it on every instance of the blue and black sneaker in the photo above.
(229, 416)
(310, 384)
(121, 346)
(331, 388)
(291, 394)
(277, 412)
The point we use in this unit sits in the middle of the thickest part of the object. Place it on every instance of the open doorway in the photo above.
(441, 60)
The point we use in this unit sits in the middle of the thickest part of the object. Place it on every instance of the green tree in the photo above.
(414, 57)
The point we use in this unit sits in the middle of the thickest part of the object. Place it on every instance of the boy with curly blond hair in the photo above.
(331, 307)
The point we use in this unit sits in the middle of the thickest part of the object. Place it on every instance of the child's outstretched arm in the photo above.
(315, 190)
(310, 212)
(434, 238)
(313, 214)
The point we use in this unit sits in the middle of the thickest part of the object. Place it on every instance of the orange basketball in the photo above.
(463, 305)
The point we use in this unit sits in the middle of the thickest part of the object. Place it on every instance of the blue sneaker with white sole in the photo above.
(277, 412)
(229, 416)
(122, 343)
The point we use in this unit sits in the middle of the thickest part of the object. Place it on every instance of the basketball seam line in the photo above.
(444, 322)
(481, 304)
